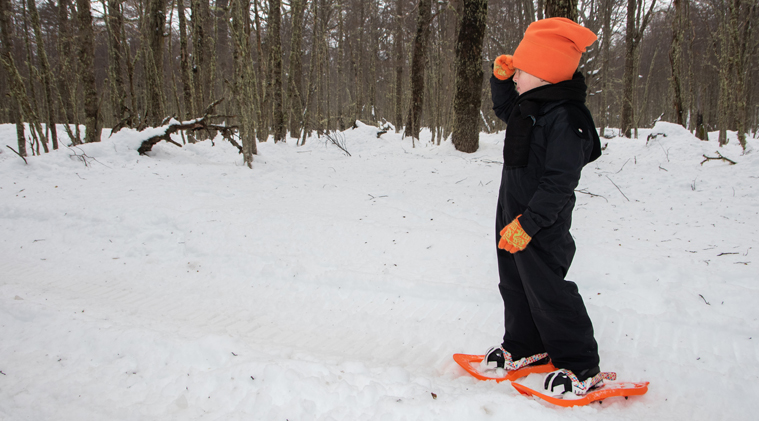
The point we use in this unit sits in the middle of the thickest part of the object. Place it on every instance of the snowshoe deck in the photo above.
(608, 390)
(471, 364)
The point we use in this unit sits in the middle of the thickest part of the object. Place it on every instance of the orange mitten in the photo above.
(503, 68)
(513, 237)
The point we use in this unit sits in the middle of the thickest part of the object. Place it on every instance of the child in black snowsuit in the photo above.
(550, 137)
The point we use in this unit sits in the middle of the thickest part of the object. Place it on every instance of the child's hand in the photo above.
(503, 68)
(513, 237)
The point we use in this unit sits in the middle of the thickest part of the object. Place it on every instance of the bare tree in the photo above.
(86, 55)
(275, 45)
(6, 55)
(45, 72)
(418, 64)
(201, 53)
(399, 62)
(244, 80)
(341, 91)
(184, 63)
(295, 74)
(637, 22)
(154, 27)
(676, 57)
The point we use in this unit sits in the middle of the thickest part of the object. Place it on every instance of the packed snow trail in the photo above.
(183, 285)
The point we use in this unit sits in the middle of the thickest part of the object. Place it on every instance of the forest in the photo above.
(258, 70)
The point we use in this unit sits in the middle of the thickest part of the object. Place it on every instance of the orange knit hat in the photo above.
(551, 48)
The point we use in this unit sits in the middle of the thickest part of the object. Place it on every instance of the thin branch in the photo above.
(718, 157)
(591, 194)
(338, 140)
(21, 156)
(620, 190)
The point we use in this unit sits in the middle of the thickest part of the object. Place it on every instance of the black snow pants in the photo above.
(543, 312)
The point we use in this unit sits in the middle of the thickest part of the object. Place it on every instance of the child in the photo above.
(550, 137)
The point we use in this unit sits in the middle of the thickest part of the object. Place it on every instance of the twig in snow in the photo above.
(21, 156)
(620, 190)
(338, 140)
(623, 166)
(718, 157)
(591, 194)
(702, 297)
(725, 254)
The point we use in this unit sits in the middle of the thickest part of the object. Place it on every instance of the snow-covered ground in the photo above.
(320, 286)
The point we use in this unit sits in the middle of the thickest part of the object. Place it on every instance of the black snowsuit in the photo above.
(543, 311)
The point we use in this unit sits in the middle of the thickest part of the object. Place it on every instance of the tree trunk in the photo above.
(64, 54)
(418, 64)
(676, 60)
(399, 62)
(340, 67)
(115, 22)
(155, 22)
(636, 26)
(561, 9)
(221, 50)
(6, 54)
(47, 76)
(37, 136)
(201, 66)
(295, 74)
(605, 69)
(326, 7)
(262, 91)
(307, 126)
(360, 62)
(275, 45)
(244, 80)
(724, 106)
(629, 75)
(86, 54)
(742, 16)
(466, 105)
(67, 89)
(184, 64)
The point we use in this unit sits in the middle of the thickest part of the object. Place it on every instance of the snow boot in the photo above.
(563, 381)
(497, 357)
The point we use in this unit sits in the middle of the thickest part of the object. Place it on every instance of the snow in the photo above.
(317, 286)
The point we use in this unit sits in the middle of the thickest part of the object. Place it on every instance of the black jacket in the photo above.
(562, 141)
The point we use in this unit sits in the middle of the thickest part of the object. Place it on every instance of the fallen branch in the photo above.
(583, 191)
(718, 157)
(21, 156)
(620, 190)
(193, 125)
